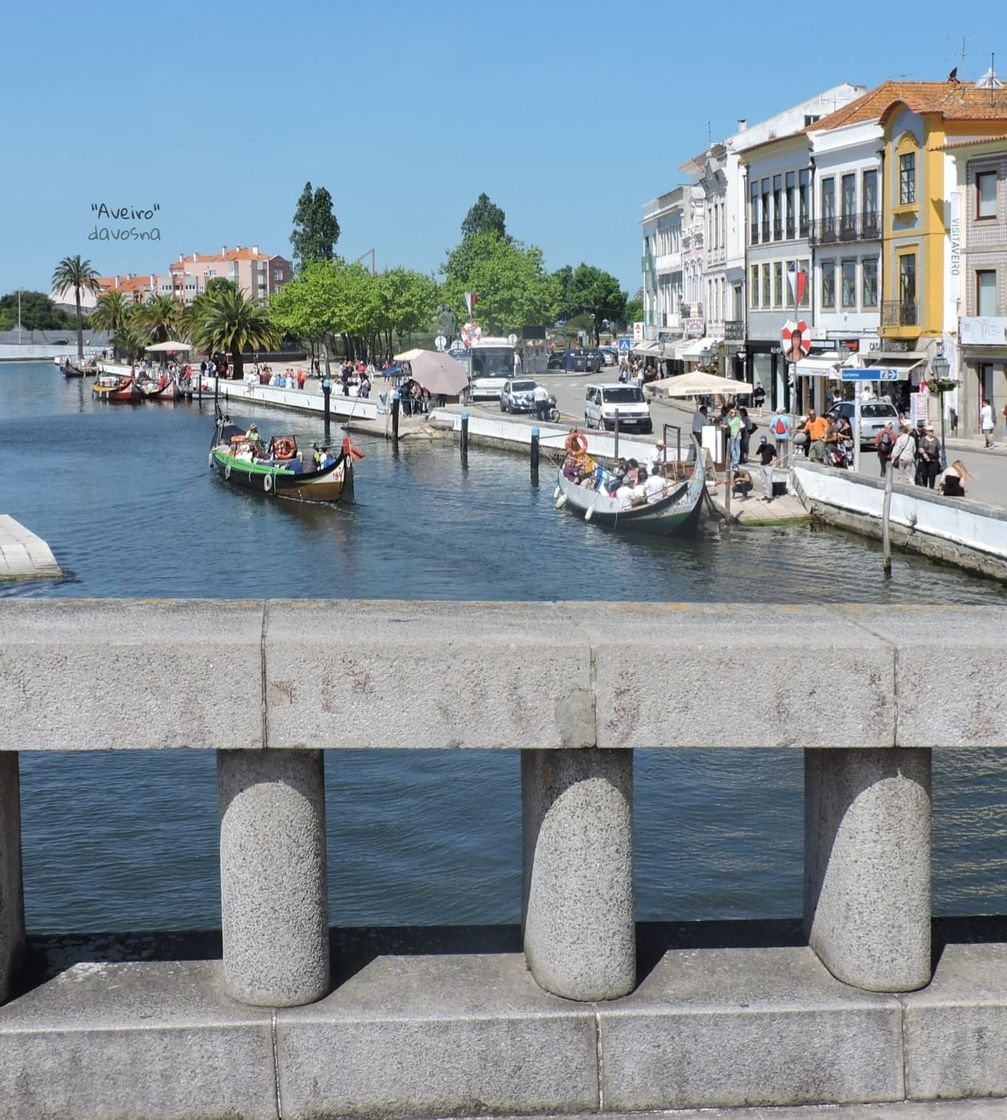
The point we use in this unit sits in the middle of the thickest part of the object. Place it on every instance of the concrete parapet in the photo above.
(437, 1036)
(273, 896)
(956, 1030)
(740, 1027)
(135, 1042)
(579, 923)
(517, 676)
(12, 929)
(193, 670)
(867, 865)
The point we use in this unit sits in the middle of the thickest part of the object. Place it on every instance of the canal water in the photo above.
(126, 500)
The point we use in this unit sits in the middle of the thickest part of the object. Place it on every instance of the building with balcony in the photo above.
(977, 275)
(845, 234)
(778, 186)
(663, 280)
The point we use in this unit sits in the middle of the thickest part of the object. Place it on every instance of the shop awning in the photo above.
(818, 365)
(650, 347)
(902, 359)
(694, 348)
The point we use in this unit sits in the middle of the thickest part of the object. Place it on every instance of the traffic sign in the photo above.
(441, 343)
(875, 373)
(625, 344)
(512, 339)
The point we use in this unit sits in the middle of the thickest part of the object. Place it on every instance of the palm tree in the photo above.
(111, 314)
(72, 272)
(225, 319)
(159, 316)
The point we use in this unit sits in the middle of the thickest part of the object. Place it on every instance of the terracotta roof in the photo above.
(237, 254)
(124, 283)
(958, 101)
(971, 142)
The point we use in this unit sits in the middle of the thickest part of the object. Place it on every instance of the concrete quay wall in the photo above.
(971, 535)
(575, 1021)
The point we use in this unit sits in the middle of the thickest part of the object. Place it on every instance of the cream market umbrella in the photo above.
(439, 373)
(168, 347)
(699, 384)
(409, 355)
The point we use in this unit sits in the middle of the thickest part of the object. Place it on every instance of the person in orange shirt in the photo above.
(815, 428)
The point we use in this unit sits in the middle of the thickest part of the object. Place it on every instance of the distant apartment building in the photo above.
(256, 274)
(663, 284)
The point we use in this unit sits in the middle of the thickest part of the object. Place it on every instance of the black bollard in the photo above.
(534, 455)
(395, 420)
(326, 395)
(465, 439)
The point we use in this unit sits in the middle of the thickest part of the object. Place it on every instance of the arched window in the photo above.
(905, 169)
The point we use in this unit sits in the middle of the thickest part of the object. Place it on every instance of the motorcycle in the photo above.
(840, 454)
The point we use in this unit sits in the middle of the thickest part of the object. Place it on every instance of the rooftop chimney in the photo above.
(742, 124)
(193, 256)
(255, 249)
(181, 257)
(223, 251)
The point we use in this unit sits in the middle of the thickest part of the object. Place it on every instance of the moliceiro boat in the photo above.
(112, 387)
(280, 469)
(667, 510)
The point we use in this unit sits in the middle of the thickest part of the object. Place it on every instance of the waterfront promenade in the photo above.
(864, 1006)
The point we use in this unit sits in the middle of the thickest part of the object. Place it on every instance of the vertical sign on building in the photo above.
(954, 254)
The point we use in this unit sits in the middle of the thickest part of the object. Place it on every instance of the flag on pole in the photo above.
(471, 299)
(798, 280)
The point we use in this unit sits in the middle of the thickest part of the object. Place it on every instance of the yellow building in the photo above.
(919, 303)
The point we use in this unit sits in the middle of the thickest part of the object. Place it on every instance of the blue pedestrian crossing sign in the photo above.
(625, 344)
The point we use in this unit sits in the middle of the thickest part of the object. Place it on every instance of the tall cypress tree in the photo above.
(316, 229)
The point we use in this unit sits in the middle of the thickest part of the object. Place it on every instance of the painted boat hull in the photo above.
(676, 515)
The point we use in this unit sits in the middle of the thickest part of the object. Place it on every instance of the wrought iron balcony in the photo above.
(777, 230)
(753, 233)
(898, 313)
(834, 230)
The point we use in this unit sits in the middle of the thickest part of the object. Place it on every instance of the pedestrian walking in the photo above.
(904, 455)
(987, 423)
(885, 442)
(779, 428)
(766, 453)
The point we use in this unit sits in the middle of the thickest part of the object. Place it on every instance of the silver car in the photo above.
(517, 395)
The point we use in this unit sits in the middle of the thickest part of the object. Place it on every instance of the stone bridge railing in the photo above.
(865, 692)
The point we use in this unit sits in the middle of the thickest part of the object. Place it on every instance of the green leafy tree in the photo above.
(38, 312)
(130, 336)
(408, 301)
(76, 273)
(316, 229)
(513, 287)
(634, 311)
(220, 284)
(111, 314)
(229, 321)
(159, 317)
(484, 216)
(593, 292)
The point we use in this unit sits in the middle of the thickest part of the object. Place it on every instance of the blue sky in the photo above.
(568, 116)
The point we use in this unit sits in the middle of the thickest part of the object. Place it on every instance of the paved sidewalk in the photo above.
(995, 1109)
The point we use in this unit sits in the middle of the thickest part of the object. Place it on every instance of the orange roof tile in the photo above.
(959, 101)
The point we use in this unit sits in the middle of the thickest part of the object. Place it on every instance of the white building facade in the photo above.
(663, 279)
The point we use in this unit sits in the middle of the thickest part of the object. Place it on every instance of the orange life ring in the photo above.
(284, 448)
(576, 443)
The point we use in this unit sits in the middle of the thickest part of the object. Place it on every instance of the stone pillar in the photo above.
(867, 865)
(11, 891)
(579, 928)
(272, 876)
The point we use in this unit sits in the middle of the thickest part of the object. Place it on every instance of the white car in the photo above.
(487, 388)
(517, 395)
(603, 403)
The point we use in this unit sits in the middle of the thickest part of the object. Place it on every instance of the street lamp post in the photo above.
(939, 369)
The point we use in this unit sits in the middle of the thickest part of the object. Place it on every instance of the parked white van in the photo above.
(604, 402)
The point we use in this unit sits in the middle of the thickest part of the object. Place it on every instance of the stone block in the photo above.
(745, 1027)
(274, 902)
(11, 890)
(120, 674)
(952, 691)
(867, 865)
(668, 675)
(579, 923)
(436, 1036)
(390, 674)
(956, 1029)
(135, 1042)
